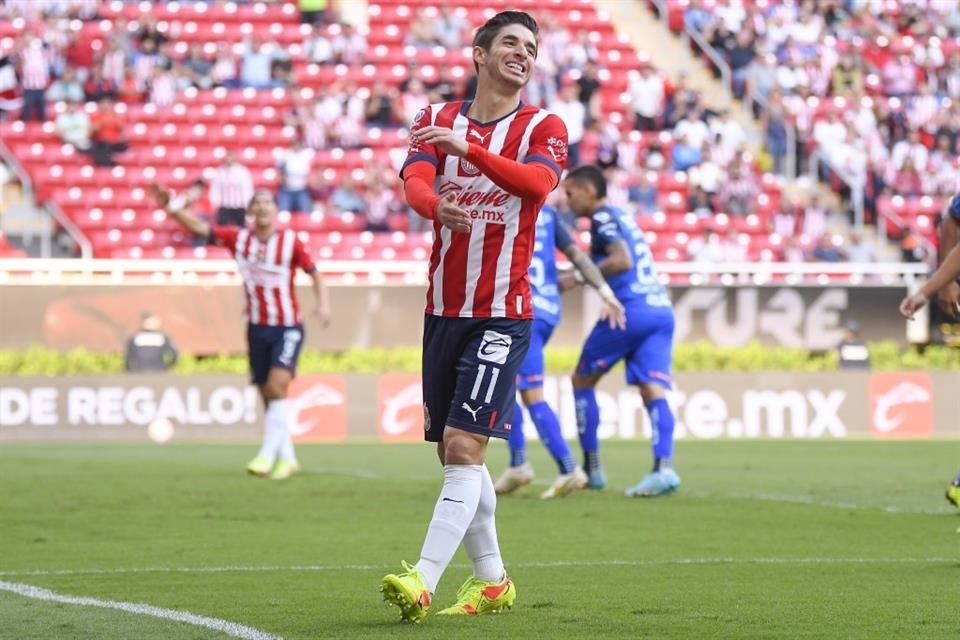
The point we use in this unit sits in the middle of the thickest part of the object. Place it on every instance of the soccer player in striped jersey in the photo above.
(268, 259)
(551, 236)
(620, 250)
(492, 161)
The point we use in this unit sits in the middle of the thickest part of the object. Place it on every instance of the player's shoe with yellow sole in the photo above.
(284, 469)
(513, 478)
(476, 597)
(953, 494)
(259, 466)
(565, 484)
(407, 591)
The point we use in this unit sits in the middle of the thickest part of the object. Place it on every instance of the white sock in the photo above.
(480, 541)
(456, 506)
(275, 429)
(286, 446)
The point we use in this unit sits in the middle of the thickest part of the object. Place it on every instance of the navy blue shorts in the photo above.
(470, 370)
(272, 348)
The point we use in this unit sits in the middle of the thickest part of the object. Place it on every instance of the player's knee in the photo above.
(531, 396)
(650, 391)
(461, 447)
(581, 382)
(275, 390)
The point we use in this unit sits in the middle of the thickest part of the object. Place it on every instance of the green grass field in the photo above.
(764, 540)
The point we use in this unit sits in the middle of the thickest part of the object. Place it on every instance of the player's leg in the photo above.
(603, 348)
(649, 367)
(571, 476)
(285, 346)
(520, 472)
(953, 491)
(258, 354)
(412, 589)
(483, 405)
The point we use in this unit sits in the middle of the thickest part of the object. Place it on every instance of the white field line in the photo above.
(554, 564)
(232, 629)
(763, 497)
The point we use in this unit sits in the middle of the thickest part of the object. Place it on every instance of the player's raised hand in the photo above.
(948, 299)
(614, 313)
(451, 215)
(912, 304)
(442, 138)
(161, 194)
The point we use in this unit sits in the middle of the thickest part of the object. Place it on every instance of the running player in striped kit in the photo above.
(493, 161)
(268, 259)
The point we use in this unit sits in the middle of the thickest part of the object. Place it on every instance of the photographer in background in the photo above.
(149, 349)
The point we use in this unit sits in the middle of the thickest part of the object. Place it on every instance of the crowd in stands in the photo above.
(872, 86)
(669, 135)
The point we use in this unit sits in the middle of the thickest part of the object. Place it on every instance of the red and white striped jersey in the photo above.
(484, 273)
(268, 269)
(35, 66)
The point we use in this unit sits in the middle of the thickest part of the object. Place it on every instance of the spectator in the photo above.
(647, 95)
(911, 148)
(231, 190)
(97, 87)
(73, 126)
(149, 349)
(148, 36)
(826, 250)
(794, 251)
(761, 77)
(318, 48)
(738, 194)
(847, 75)
(693, 129)
(294, 174)
(814, 218)
(129, 91)
(740, 57)
(784, 221)
(589, 84)
(859, 251)
(698, 202)
(349, 47)
(412, 100)
(256, 67)
(899, 76)
(314, 11)
(708, 173)
(381, 109)
(643, 193)
(775, 131)
(320, 188)
(35, 79)
(448, 28)
(912, 247)
(10, 97)
(420, 31)
(346, 197)
(696, 17)
(224, 71)
(66, 88)
(108, 134)
(380, 204)
(907, 180)
(569, 108)
(684, 154)
(198, 67)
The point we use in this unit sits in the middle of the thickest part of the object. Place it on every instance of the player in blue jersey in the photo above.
(551, 235)
(621, 252)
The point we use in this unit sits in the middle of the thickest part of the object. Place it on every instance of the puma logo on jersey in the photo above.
(483, 138)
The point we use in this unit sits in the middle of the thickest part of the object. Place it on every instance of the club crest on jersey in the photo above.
(557, 148)
(469, 168)
(417, 118)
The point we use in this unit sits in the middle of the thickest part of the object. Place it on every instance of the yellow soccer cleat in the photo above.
(407, 591)
(565, 484)
(259, 466)
(953, 494)
(513, 478)
(284, 469)
(477, 597)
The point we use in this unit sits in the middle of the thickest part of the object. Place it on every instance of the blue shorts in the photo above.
(532, 368)
(470, 374)
(272, 348)
(646, 345)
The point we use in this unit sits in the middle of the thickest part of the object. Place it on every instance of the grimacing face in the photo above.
(511, 56)
(580, 197)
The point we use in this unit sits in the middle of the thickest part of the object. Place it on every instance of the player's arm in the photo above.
(948, 298)
(534, 178)
(180, 210)
(945, 274)
(612, 310)
(618, 259)
(321, 295)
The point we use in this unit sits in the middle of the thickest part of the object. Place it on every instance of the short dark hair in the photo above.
(485, 35)
(590, 174)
